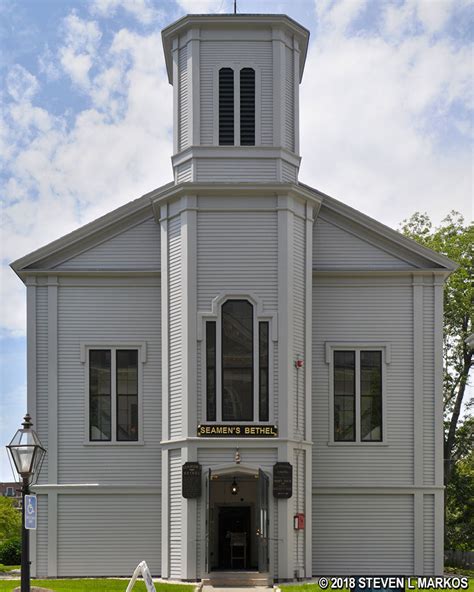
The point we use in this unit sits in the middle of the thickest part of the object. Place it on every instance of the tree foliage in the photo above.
(10, 519)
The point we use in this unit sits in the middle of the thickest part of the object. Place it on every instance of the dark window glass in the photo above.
(263, 371)
(247, 107)
(211, 370)
(237, 361)
(226, 107)
(344, 396)
(127, 394)
(371, 396)
(99, 395)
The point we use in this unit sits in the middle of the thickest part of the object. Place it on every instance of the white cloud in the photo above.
(375, 117)
(21, 84)
(81, 40)
(202, 6)
(142, 10)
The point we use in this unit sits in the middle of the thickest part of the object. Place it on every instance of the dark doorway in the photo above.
(234, 537)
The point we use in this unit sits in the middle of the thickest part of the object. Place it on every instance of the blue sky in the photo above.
(386, 120)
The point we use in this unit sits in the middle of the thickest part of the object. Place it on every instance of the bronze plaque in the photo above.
(192, 480)
(282, 480)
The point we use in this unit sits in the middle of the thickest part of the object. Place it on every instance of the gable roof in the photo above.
(123, 218)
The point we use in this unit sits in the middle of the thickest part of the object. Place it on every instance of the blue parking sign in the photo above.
(31, 512)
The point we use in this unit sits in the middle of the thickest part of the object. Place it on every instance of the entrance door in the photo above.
(262, 521)
(234, 537)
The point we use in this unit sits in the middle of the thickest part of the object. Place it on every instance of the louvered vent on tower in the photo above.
(226, 107)
(247, 107)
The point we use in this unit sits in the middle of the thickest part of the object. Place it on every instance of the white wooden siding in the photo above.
(299, 481)
(289, 128)
(42, 537)
(184, 172)
(184, 105)
(237, 251)
(298, 324)
(228, 170)
(216, 53)
(428, 535)
(335, 248)
(175, 513)
(41, 420)
(382, 313)
(289, 173)
(363, 534)
(428, 386)
(98, 313)
(135, 248)
(175, 327)
(108, 535)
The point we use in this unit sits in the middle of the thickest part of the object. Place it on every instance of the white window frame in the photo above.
(113, 346)
(258, 316)
(357, 347)
(237, 67)
(10, 491)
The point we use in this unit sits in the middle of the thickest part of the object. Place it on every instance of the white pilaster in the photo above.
(175, 56)
(194, 68)
(165, 527)
(418, 380)
(52, 452)
(418, 532)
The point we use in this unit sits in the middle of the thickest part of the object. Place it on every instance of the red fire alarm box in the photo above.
(299, 521)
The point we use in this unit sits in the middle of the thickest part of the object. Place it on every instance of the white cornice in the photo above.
(235, 152)
(137, 208)
(232, 21)
(384, 232)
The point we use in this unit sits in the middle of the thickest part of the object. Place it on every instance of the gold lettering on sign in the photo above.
(229, 430)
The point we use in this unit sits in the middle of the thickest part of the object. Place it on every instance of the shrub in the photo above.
(10, 552)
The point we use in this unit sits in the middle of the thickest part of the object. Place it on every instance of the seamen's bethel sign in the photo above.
(237, 431)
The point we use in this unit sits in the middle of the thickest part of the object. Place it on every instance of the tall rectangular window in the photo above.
(100, 393)
(211, 370)
(263, 368)
(344, 396)
(226, 107)
(114, 395)
(371, 396)
(247, 107)
(127, 395)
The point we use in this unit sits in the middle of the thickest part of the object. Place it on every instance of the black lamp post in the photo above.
(27, 454)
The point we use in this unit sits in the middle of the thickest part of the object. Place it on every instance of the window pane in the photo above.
(247, 107)
(344, 396)
(127, 372)
(99, 371)
(263, 371)
(99, 395)
(226, 107)
(371, 395)
(127, 395)
(211, 370)
(237, 361)
(100, 418)
(127, 418)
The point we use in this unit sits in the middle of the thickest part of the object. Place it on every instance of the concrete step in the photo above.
(237, 579)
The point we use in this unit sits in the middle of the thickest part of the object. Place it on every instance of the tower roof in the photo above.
(231, 22)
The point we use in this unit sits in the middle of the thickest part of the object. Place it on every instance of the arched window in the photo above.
(226, 107)
(232, 352)
(247, 107)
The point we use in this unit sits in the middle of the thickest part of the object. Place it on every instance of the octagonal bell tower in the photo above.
(236, 94)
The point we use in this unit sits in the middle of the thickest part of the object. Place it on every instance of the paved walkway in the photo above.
(235, 589)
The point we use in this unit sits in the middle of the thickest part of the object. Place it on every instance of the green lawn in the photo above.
(4, 568)
(94, 585)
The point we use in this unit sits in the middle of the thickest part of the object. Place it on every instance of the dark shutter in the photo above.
(247, 107)
(226, 107)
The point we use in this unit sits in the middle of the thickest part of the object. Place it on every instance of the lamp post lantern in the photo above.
(27, 454)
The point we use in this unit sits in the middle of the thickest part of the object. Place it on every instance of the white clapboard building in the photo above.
(236, 375)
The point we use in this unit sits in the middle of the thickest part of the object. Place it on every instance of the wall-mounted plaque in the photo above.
(192, 480)
(233, 430)
(282, 480)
